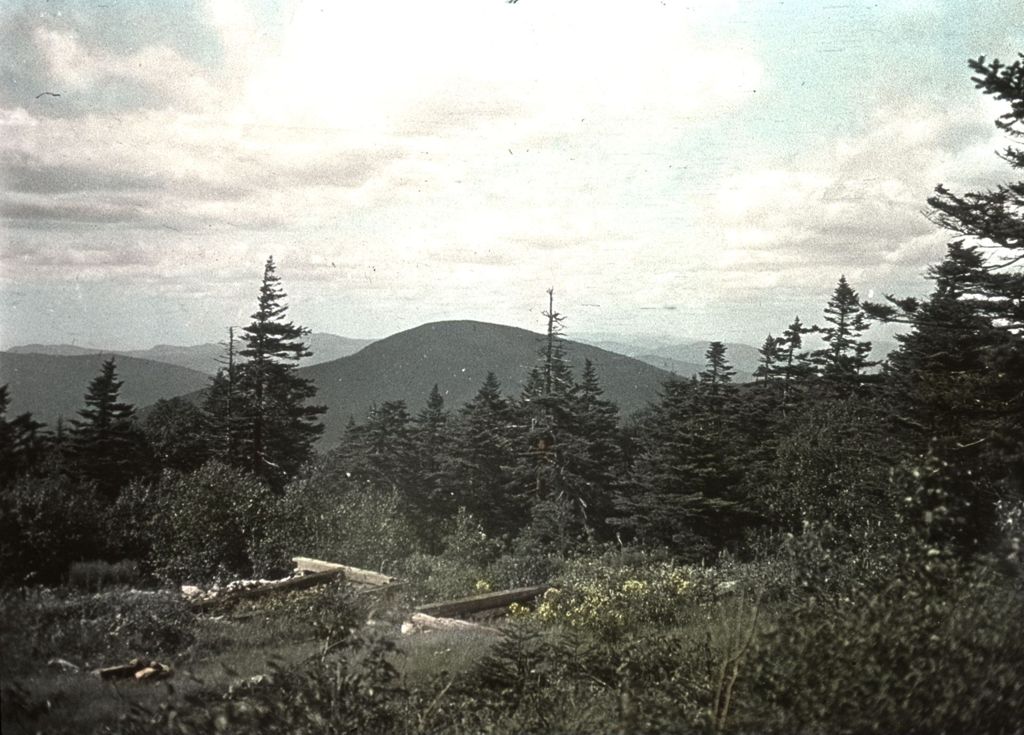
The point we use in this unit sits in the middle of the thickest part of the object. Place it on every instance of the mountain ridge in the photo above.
(52, 386)
(205, 357)
(457, 355)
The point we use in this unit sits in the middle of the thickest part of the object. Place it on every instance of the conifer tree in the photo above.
(685, 489)
(769, 355)
(431, 439)
(279, 426)
(222, 408)
(680, 490)
(22, 445)
(844, 358)
(559, 470)
(177, 432)
(381, 450)
(477, 469)
(602, 460)
(794, 366)
(545, 407)
(994, 221)
(107, 447)
(716, 383)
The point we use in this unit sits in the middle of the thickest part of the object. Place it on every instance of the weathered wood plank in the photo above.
(292, 583)
(479, 603)
(422, 623)
(352, 574)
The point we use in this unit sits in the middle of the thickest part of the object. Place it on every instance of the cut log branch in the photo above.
(352, 574)
(480, 603)
(420, 623)
(292, 583)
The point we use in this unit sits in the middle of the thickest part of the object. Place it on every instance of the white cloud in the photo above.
(470, 153)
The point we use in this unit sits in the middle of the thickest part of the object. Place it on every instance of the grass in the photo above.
(223, 649)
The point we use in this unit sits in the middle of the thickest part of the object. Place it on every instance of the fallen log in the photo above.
(155, 670)
(352, 574)
(421, 623)
(291, 583)
(480, 603)
(137, 669)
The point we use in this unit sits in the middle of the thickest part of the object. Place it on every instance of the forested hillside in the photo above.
(456, 356)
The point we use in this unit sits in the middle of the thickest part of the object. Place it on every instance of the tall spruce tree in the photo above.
(381, 450)
(545, 407)
(716, 382)
(431, 437)
(476, 470)
(279, 425)
(993, 219)
(601, 462)
(177, 431)
(680, 492)
(559, 470)
(794, 366)
(769, 355)
(843, 360)
(107, 447)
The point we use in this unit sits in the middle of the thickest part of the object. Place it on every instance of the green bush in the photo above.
(47, 523)
(461, 567)
(920, 654)
(208, 524)
(333, 519)
(610, 595)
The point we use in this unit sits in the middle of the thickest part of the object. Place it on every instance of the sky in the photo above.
(672, 168)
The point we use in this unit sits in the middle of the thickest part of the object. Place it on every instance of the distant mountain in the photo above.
(205, 357)
(742, 357)
(327, 347)
(456, 355)
(62, 349)
(54, 385)
(684, 358)
(680, 368)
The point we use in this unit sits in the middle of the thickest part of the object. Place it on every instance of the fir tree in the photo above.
(716, 383)
(381, 450)
(844, 358)
(794, 366)
(602, 460)
(680, 491)
(107, 447)
(177, 432)
(994, 220)
(477, 469)
(222, 408)
(431, 439)
(769, 355)
(279, 427)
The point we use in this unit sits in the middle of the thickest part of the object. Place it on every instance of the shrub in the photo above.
(926, 652)
(333, 519)
(612, 594)
(208, 523)
(46, 524)
(461, 567)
